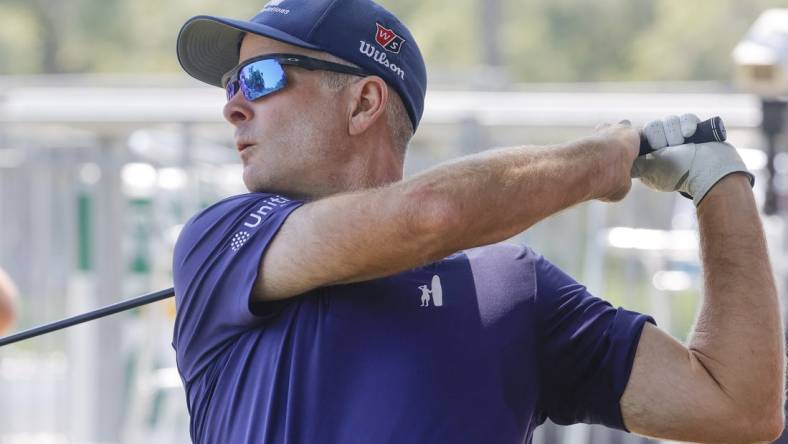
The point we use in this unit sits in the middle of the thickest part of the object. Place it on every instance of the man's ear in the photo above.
(368, 103)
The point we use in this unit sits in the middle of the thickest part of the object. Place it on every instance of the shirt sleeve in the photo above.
(215, 264)
(586, 350)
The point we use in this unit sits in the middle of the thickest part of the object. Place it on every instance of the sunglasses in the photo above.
(260, 76)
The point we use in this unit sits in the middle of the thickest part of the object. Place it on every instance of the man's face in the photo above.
(292, 141)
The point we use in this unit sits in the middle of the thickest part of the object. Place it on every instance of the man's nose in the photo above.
(237, 110)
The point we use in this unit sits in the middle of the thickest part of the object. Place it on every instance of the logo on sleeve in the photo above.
(254, 220)
(239, 240)
(388, 39)
(436, 292)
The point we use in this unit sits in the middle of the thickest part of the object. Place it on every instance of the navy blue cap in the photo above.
(358, 31)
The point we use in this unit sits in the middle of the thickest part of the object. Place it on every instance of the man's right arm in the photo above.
(472, 201)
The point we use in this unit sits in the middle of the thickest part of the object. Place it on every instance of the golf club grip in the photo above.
(711, 130)
(89, 316)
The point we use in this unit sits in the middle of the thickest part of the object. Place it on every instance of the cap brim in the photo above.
(208, 46)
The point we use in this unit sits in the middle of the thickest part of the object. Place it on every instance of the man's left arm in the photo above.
(727, 385)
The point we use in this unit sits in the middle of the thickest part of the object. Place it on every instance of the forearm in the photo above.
(738, 337)
(472, 201)
(494, 195)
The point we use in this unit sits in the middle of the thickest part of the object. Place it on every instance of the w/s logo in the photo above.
(388, 39)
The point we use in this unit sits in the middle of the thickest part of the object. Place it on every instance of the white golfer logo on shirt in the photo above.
(436, 292)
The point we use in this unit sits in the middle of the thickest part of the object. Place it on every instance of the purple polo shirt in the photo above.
(482, 346)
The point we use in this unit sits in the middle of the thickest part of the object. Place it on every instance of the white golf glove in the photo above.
(692, 169)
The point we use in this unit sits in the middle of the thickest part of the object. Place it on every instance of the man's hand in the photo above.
(692, 169)
(624, 142)
(670, 131)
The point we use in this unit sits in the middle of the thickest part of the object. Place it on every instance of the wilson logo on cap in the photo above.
(388, 39)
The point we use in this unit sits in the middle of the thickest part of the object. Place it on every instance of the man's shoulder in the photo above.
(503, 270)
(504, 280)
(502, 253)
(239, 201)
(230, 210)
(504, 261)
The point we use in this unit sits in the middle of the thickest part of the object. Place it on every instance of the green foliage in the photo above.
(693, 40)
(19, 38)
(567, 40)
(540, 40)
(444, 29)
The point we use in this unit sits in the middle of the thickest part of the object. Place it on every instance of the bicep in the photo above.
(349, 238)
(670, 394)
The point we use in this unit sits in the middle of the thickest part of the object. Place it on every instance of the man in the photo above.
(302, 315)
(7, 302)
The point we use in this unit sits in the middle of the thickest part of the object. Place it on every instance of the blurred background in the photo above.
(107, 148)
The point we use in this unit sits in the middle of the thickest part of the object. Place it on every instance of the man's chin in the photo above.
(258, 185)
(253, 180)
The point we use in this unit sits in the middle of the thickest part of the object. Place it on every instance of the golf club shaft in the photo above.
(89, 316)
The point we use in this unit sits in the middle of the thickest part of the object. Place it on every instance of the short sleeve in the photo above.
(586, 350)
(215, 264)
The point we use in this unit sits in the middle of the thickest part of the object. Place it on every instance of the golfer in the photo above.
(338, 303)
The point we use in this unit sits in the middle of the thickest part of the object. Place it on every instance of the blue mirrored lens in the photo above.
(260, 78)
(232, 88)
